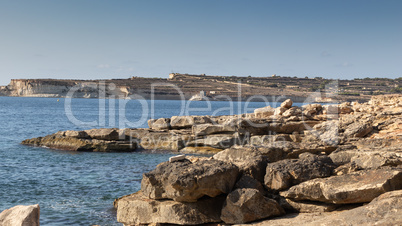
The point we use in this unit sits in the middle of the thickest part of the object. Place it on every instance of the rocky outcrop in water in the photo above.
(312, 159)
(318, 176)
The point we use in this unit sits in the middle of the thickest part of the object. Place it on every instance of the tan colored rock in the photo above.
(20, 216)
(266, 139)
(358, 187)
(248, 159)
(220, 141)
(287, 103)
(384, 210)
(264, 112)
(159, 124)
(208, 129)
(288, 172)
(186, 181)
(204, 150)
(246, 205)
(75, 144)
(279, 111)
(180, 122)
(294, 111)
(307, 207)
(104, 134)
(138, 209)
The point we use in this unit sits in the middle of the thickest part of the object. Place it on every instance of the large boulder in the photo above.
(246, 205)
(185, 181)
(358, 187)
(286, 173)
(181, 122)
(137, 209)
(20, 216)
(287, 103)
(249, 160)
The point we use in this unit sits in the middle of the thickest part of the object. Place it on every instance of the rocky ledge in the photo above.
(315, 164)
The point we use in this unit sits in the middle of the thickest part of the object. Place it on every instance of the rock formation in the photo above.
(314, 160)
(20, 216)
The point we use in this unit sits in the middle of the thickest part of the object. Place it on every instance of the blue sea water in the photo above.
(78, 188)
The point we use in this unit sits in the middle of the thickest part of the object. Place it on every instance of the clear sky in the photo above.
(90, 39)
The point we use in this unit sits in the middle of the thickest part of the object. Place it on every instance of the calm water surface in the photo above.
(79, 188)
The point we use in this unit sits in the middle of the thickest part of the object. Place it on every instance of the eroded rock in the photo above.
(185, 181)
(358, 187)
(20, 216)
(246, 205)
(138, 209)
(286, 173)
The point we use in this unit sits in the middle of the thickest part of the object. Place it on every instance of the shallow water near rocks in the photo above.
(78, 188)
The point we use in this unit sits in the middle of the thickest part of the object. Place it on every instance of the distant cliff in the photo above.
(178, 86)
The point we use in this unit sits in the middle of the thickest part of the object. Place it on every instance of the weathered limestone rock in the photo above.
(75, 144)
(287, 103)
(207, 129)
(307, 206)
(181, 122)
(200, 150)
(185, 181)
(266, 139)
(247, 181)
(159, 124)
(358, 129)
(220, 141)
(246, 205)
(248, 159)
(311, 109)
(263, 127)
(75, 134)
(293, 111)
(264, 112)
(277, 150)
(358, 187)
(279, 111)
(285, 173)
(20, 216)
(377, 159)
(162, 141)
(384, 210)
(104, 134)
(138, 209)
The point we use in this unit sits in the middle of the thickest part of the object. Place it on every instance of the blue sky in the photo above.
(90, 39)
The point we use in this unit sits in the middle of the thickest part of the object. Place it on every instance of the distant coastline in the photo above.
(185, 86)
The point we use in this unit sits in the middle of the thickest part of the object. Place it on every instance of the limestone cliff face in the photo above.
(62, 88)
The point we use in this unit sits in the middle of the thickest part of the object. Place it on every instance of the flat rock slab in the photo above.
(246, 205)
(137, 209)
(358, 187)
(384, 210)
(20, 216)
(187, 181)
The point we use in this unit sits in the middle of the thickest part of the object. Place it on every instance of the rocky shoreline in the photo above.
(315, 164)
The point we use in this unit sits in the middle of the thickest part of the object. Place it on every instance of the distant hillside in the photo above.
(214, 87)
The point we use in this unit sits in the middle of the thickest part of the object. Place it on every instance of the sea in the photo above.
(78, 188)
